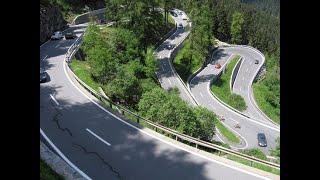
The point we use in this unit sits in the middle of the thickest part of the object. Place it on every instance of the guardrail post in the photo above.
(122, 112)
(219, 153)
(251, 163)
(110, 104)
(196, 146)
(138, 120)
(176, 138)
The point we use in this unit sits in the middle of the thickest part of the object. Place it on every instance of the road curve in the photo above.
(166, 73)
(102, 145)
(200, 88)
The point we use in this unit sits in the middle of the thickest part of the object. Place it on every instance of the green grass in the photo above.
(81, 69)
(221, 88)
(46, 172)
(255, 165)
(260, 91)
(227, 133)
(183, 64)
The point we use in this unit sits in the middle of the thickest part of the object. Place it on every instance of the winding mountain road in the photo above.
(100, 145)
(250, 126)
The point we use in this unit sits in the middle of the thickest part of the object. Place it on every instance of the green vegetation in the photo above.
(184, 65)
(236, 27)
(168, 109)
(46, 172)
(81, 69)
(255, 152)
(276, 152)
(231, 137)
(255, 165)
(221, 88)
(267, 91)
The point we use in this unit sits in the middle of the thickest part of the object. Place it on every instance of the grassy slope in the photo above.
(81, 69)
(46, 173)
(259, 91)
(255, 165)
(221, 88)
(227, 133)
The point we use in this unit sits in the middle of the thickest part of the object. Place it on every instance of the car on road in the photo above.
(262, 141)
(69, 35)
(170, 46)
(173, 14)
(217, 66)
(43, 76)
(256, 61)
(180, 26)
(57, 35)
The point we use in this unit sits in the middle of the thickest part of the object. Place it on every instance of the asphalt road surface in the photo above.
(200, 88)
(166, 73)
(102, 145)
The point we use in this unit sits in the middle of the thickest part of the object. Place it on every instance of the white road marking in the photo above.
(44, 58)
(247, 70)
(57, 45)
(158, 138)
(54, 99)
(63, 156)
(98, 137)
(201, 94)
(240, 89)
(169, 81)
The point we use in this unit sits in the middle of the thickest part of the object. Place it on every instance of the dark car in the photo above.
(70, 35)
(256, 61)
(43, 76)
(180, 26)
(262, 141)
(173, 14)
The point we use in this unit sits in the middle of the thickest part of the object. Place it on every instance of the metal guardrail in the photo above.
(71, 51)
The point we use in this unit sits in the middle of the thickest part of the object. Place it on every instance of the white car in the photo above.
(57, 35)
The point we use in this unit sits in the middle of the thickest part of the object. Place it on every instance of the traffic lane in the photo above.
(128, 147)
(200, 85)
(248, 129)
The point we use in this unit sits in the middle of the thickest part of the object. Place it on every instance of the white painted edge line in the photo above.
(228, 109)
(166, 142)
(64, 157)
(54, 99)
(95, 135)
(44, 58)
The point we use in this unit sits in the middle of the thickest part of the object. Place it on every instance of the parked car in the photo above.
(57, 35)
(43, 76)
(262, 141)
(70, 35)
(256, 61)
(217, 66)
